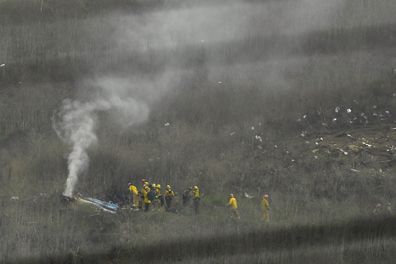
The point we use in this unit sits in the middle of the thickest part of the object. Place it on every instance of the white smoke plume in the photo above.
(154, 35)
(76, 123)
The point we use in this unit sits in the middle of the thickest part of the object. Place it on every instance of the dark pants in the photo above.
(168, 202)
(146, 207)
(196, 205)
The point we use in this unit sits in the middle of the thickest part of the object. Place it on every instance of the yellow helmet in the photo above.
(154, 185)
(158, 186)
(168, 186)
(195, 187)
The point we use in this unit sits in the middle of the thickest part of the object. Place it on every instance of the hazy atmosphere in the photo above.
(264, 130)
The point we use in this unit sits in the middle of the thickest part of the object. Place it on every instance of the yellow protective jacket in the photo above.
(145, 196)
(196, 194)
(169, 193)
(133, 189)
(265, 204)
(233, 203)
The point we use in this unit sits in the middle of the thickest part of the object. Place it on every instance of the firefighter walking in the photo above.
(233, 205)
(265, 207)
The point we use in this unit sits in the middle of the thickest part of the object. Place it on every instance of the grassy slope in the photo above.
(46, 54)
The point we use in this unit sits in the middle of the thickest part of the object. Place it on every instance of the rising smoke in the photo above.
(76, 124)
(166, 31)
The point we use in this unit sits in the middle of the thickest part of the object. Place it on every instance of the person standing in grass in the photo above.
(265, 207)
(196, 198)
(233, 204)
(135, 195)
(169, 194)
(145, 192)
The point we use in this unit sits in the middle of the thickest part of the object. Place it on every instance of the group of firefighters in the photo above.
(151, 196)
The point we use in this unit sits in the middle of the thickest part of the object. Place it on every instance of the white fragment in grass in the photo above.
(349, 110)
(367, 145)
(2, 65)
(343, 151)
(304, 116)
(14, 198)
(232, 133)
(334, 119)
(248, 195)
(167, 124)
(219, 82)
(355, 170)
(337, 109)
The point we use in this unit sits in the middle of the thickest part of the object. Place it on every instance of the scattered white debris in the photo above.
(2, 65)
(307, 142)
(321, 139)
(343, 151)
(380, 170)
(334, 119)
(252, 128)
(275, 146)
(167, 124)
(248, 195)
(387, 112)
(14, 198)
(259, 138)
(315, 157)
(349, 110)
(337, 109)
(304, 116)
(349, 135)
(232, 133)
(219, 82)
(292, 160)
(316, 143)
(367, 145)
(355, 170)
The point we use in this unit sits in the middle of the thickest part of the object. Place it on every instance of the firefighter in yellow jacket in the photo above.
(265, 207)
(233, 204)
(135, 195)
(196, 198)
(169, 194)
(146, 200)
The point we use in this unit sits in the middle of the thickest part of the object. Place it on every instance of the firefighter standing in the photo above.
(196, 198)
(265, 207)
(233, 204)
(135, 195)
(169, 194)
(146, 201)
